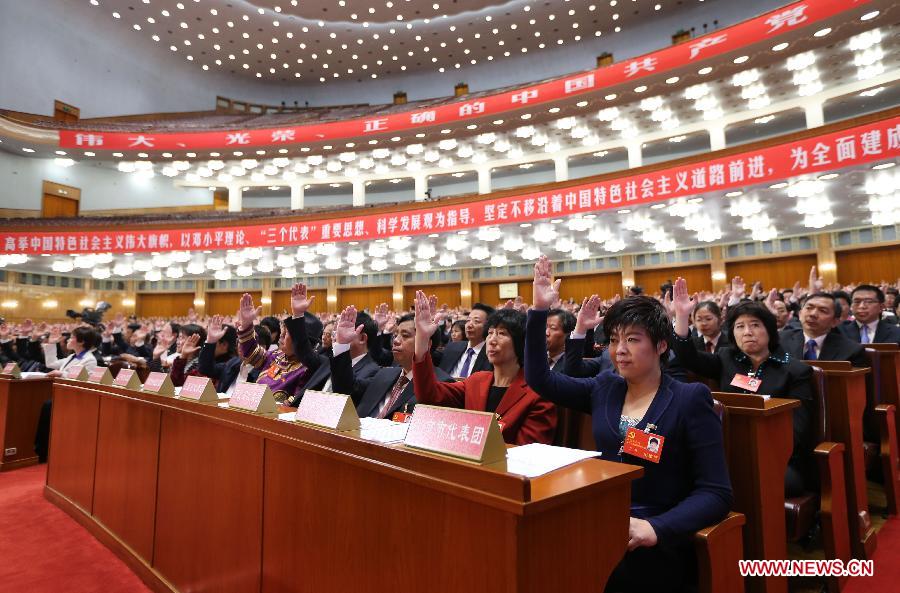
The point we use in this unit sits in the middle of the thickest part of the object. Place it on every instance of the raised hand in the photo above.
(190, 346)
(545, 289)
(770, 300)
(724, 299)
(426, 325)
(346, 329)
(667, 304)
(381, 316)
(589, 315)
(683, 305)
(162, 345)
(247, 313)
(26, 328)
(215, 331)
(192, 315)
(815, 283)
(55, 335)
(510, 304)
(757, 288)
(738, 288)
(299, 300)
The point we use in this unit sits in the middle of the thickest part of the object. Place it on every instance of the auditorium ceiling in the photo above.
(328, 40)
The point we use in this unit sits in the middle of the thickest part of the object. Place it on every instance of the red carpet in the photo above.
(42, 550)
(887, 568)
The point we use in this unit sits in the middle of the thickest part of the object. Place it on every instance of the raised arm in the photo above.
(701, 363)
(251, 352)
(296, 327)
(427, 388)
(550, 385)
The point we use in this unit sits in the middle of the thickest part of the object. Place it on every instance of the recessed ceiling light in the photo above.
(822, 32)
(780, 46)
(883, 166)
(741, 59)
(623, 211)
(27, 150)
(734, 194)
(640, 89)
(704, 71)
(672, 80)
(780, 185)
(828, 176)
(581, 104)
(610, 96)
(657, 206)
(869, 15)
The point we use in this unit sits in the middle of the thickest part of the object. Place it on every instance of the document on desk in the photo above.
(382, 430)
(537, 459)
(33, 375)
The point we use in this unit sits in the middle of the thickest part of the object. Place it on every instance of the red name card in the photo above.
(331, 410)
(78, 373)
(100, 375)
(128, 379)
(467, 434)
(198, 389)
(159, 383)
(253, 397)
(12, 368)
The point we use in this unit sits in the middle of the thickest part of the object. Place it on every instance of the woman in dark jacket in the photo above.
(686, 486)
(754, 363)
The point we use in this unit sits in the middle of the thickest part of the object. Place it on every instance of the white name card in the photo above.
(13, 369)
(467, 434)
(77, 373)
(253, 397)
(329, 410)
(100, 375)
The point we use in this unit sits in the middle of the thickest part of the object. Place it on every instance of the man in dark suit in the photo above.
(461, 359)
(867, 304)
(818, 338)
(391, 389)
(560, 323)
(361, 331)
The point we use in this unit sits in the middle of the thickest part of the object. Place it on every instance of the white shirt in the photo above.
(87, 360)
(873, 327)
(818, 340)
(340, 349)
(387, 396)
(462, 360)
(241, 378)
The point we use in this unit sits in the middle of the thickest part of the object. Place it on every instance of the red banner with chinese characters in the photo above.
(863, 144)
(763, 28)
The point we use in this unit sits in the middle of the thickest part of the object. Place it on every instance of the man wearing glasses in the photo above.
(867, 303)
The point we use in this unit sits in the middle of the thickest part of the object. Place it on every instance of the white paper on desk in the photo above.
(223, 404)
(177, 391)
(538, 459)
(288, 416)
(382, 430)
(32, 375)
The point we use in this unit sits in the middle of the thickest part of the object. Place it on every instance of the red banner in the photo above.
(764, 28)
(863, 144)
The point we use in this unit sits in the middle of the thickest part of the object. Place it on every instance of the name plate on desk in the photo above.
(13, 369)
(467, 434)
(78, 373)
(253, 397)
(198, 389)
(742, 400)
(100, 375)
(330, 410)
(159, 383)
(128, 379)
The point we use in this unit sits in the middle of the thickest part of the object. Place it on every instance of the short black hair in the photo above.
(88, 336)
(189, 329)
(711, 305)
(514, 322)
(755, 310)
(841, 294)
(644, 312)
(879, 294)
(176, 327)
(565, 318)
(824, 295)
(263, 336)
(406, 317)
(230, 338)
(488, 310)
(370, 328)
(273, 324)
(460, 323)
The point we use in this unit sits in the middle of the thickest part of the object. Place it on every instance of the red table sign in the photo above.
(12, 368)
(99, 375)
(75, 372)
(126, 378)
(468, 434)
(198, 388)
(159, 383)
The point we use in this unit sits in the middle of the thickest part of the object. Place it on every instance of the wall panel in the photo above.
(166, 304)
(579, 287)
(446, 294)
(489, 292)
(281, 301)
(364, 298)
(698, 277)
(868, 265)
(775, 272)
(227, 303)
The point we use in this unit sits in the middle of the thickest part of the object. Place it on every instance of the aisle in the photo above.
(887, 568)
(43, 550)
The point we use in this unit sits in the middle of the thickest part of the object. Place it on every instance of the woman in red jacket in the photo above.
(523, 415)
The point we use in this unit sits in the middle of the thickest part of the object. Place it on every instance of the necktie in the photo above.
(709, 347)
(399, 386)
(810, 352)
(464, 371)
(550, 361)
(864, 336)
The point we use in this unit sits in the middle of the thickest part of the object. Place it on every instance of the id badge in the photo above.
(745, 382)
(645, 445)
(401, 417)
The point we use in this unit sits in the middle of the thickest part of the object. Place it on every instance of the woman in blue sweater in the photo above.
(685, 486)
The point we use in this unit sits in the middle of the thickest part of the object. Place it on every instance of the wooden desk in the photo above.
(889, 374)
(20, 407)
(845, 392)
(199, 498)
(759, 442)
